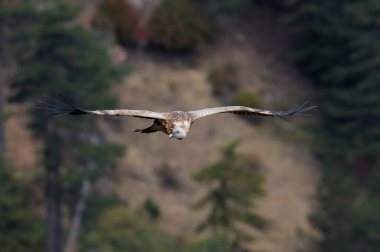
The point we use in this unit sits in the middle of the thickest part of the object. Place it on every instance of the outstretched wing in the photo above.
(62, 106)
(241, 110)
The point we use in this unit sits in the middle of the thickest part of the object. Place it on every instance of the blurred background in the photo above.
(70, 184)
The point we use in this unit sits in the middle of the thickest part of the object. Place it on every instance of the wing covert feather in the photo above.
(129, 112)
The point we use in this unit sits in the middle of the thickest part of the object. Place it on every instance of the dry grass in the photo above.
(288, 166)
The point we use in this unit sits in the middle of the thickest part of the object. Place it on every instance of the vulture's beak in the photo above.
(170, 136)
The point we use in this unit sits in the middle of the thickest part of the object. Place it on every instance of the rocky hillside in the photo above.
(261, 53)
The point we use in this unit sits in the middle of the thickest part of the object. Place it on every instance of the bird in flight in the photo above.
(175, 124)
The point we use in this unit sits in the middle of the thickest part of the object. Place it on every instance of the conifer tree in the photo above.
(236, 185)
(20, 229)
(339, 47)
(55, 55)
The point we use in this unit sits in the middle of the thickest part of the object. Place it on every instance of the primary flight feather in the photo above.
(175, 124)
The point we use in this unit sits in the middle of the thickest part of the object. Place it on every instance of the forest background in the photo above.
(235, 183)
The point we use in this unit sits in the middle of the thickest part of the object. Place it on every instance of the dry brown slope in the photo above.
(287, 165)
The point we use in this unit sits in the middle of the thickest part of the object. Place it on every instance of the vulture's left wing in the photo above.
(241, 110)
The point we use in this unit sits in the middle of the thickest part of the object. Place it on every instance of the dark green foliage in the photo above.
(168, 177)
(104, 156)
(64, 59)
(20, 230)
(118, 229)
(109, 226)
(217, 242)
(180, 25)
(339, 48)
(151, 207)
(366, 227)
(237, 184)
(347, 225)
(337, 193)
(97, 204)
(53, 55)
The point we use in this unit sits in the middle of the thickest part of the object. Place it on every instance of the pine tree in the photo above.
(237, 184)
(20, 230)
(55, 55)
(339, 48)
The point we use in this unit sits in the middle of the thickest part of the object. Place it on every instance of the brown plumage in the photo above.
(176, 124)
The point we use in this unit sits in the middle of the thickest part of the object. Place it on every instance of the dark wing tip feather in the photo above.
(297, 111)
(58, 105)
